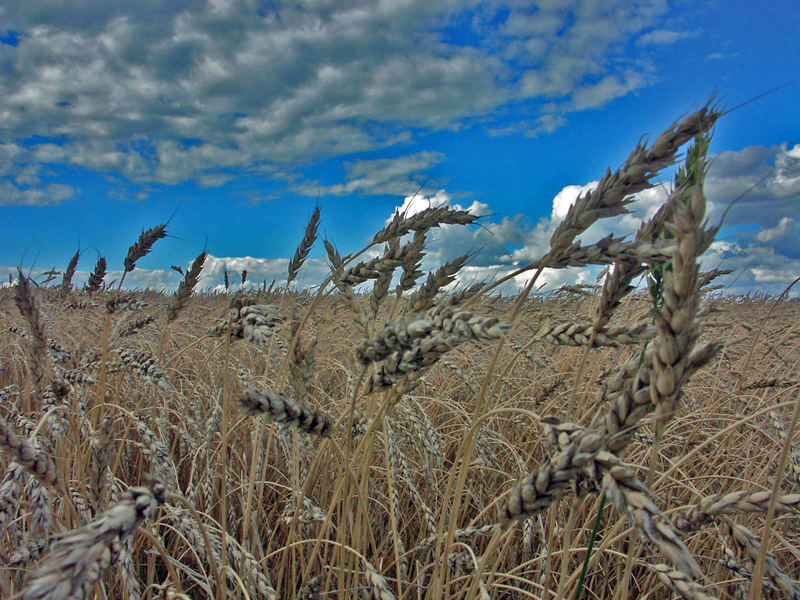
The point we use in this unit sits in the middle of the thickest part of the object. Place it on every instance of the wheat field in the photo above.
(382, 437)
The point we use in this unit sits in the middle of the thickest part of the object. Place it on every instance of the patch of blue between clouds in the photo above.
(10, 38)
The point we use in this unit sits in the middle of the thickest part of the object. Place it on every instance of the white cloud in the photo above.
(259, 270)
(206, 87)
(395, 176)
(415, 203)
(604, 91)
(567, 197)
(663, 37)
(766, 178)
(786, 180)
(26, 195)
(783, 228)
(537, 240)
(500, 247)
(766, 260)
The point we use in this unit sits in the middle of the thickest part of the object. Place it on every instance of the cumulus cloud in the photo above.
(567, 197)
(259, 270)
(763, 249)
(487, 239)
(604, 91)
(664, 37)
(783, 228)
(394, 176)
(416, 203)
(212, 87)
(499, 247)
(491, 243)
(29, 194)
(765, 253)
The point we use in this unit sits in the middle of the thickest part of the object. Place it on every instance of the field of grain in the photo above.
(381, 438)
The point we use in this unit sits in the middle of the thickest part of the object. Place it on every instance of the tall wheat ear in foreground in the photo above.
(404, 438)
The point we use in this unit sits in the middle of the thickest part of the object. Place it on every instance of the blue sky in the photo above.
(233, 118)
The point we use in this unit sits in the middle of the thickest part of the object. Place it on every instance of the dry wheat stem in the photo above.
(761, 562)
(608, 199)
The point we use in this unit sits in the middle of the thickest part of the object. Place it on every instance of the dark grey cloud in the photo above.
(764, 181)
(755, 266)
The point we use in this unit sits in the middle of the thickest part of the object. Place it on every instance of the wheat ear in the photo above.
(141, 248)
(34, 461)
(679, 582)
(29, 309)
(186, 287)
(284, 410)
(733, 503)
(69, 273)
(304, 248)
(422, 221)
(143, 245)
(80, 557)
(96, 277)
(750, 543)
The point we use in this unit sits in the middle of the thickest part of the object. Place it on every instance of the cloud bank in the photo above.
(759, 241)
(223, 86)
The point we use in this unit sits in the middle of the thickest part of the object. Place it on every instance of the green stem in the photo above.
(595, 529)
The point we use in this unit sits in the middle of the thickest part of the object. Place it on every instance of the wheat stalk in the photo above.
(144, 245)
(585, 334)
